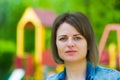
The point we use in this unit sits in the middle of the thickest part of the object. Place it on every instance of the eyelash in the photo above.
(75, 38)
(63, 39)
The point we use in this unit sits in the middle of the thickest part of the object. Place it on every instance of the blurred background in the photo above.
(25, 31)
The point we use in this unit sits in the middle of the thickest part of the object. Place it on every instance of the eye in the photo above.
(77, 38)
(63, 39)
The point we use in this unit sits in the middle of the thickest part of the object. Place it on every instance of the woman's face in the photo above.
(71, 45)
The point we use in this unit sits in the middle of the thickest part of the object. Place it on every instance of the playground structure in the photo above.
(112, 48)
(42, 19)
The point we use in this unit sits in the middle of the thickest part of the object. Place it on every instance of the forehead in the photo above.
(66, 28)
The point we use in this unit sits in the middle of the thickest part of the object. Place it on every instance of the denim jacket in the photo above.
(92, 73)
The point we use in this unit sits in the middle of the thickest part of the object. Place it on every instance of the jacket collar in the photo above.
(90, 73)
(62, 75)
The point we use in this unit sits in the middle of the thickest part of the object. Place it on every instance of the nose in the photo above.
(70, 43)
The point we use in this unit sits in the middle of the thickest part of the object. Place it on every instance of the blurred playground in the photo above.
(25, 32)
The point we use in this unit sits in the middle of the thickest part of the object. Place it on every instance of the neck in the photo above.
(76, 70)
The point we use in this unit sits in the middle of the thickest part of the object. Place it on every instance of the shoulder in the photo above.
(107, 73)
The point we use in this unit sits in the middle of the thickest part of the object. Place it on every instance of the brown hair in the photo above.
(81, 23)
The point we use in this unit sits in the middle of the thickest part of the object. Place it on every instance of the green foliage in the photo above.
(6, 61)
(8, 46)
(47, 38)
(29, 39)
(100, 13)
(111, 39)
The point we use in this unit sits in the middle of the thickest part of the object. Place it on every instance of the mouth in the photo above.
(71, 51)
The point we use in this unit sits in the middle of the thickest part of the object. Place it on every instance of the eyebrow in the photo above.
(66, 35)
(76, 34)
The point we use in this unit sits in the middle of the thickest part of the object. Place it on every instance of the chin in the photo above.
(71, 60)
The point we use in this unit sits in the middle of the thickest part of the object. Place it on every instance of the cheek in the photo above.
(59, 46)
(60, 49)
(83, 47)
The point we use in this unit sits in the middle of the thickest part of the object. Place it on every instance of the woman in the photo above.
(73, 44)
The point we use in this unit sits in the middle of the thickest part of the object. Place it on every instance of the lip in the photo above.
(71, 51)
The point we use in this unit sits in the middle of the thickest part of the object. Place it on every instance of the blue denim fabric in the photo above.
(92, 73)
